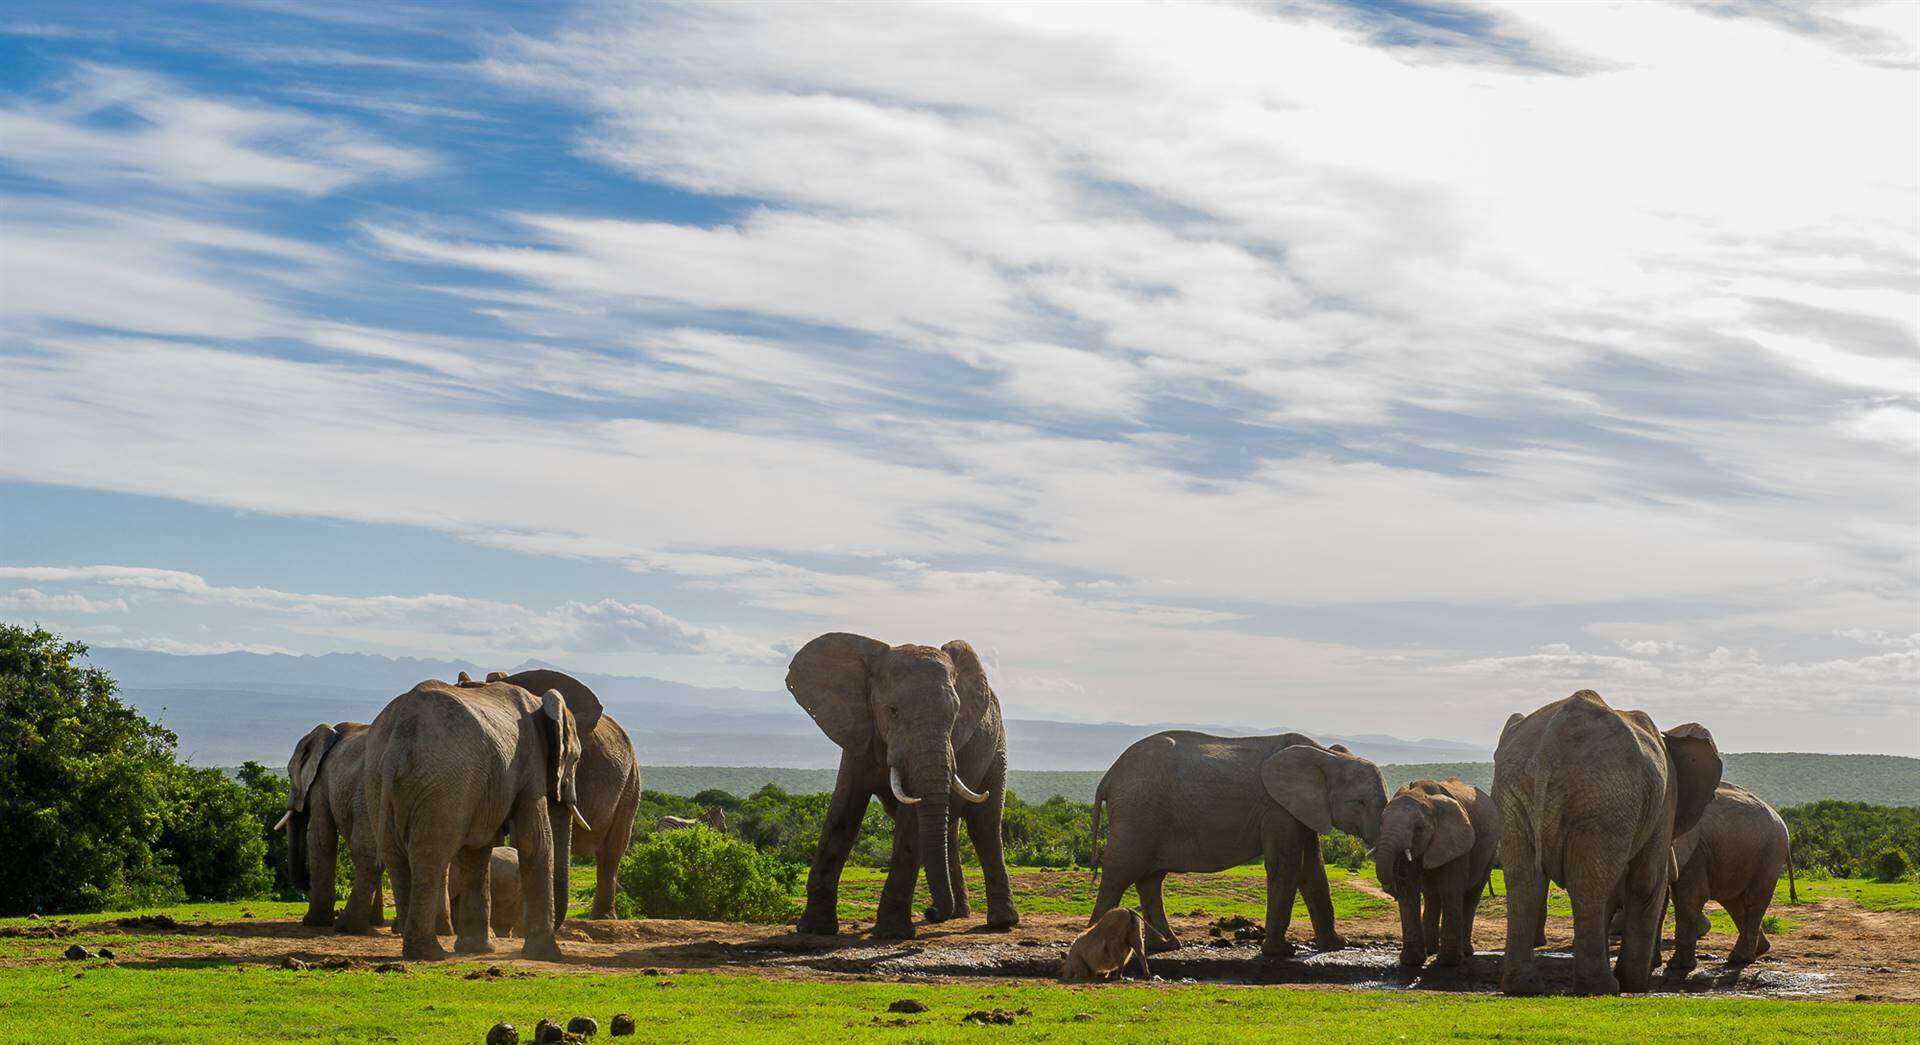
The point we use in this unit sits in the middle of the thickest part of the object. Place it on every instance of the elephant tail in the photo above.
(1093, 832)
(1792, 896)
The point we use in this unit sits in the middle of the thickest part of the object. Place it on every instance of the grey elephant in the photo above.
(607, 785)
(1592, 798)
(1435, 855)
(325, 802)
(448, 768)
(1733, 857)
(1187, 801)
(503, 892)
(920, 728)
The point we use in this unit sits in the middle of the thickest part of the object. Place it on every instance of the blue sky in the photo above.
(1378, 367)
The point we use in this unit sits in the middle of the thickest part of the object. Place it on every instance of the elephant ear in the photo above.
(554, 713)
(1694, 761)
(581, 701)
(1296, 778)
(304, 767)
(976, 697)
(828, 677)
(1452, 833)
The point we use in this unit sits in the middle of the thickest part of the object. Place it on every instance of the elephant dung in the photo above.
(585, 1026)
(622, 1025)
(547, 1030)
(503, 1034)
(907, 1005)
(75, 953)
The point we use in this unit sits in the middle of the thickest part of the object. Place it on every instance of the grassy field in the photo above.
(222, 1001)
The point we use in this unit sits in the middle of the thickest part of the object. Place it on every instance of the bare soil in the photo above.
(1835, 951)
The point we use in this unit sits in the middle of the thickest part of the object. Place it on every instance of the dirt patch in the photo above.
(1836, 950)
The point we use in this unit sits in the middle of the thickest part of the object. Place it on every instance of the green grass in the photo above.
(229, 1002)
(1874, 896)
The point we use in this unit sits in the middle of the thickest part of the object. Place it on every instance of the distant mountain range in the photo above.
(231, 707)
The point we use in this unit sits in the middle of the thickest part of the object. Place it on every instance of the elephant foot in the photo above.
(934, 917)
(541, 951)
(1448, 961)
(1278, 947)
(350, 926)
(1412, 957)
(1605, 983)
(317, 919)
(599, 914)
(428, 950)
(1523, 984)
(1002, 921)
(1679, 967)
(1330, 942)
(822, 924)
(476, 945)
(892, 928)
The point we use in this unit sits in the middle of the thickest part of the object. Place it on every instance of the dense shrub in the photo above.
(1842, 839)
(1339, 847)
(212, 837)
(1891, 865)
(267, 802)
(85, 783)
(700, 873)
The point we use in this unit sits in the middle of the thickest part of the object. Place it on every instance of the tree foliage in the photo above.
(1846, 839)
(700, 873)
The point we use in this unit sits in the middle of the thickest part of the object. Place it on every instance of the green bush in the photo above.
(212, 836)
(699, 873)
(1339, 847)
(1890, 865)
(85, 783)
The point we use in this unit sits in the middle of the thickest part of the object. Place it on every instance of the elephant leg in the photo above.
(393, 857)
(1748, 912)
(427, 864)
(983, 827)
(1283, 880)
(377, 905)
(1469, 908)
(323, 842)
(1413, 950)
(1646, 908)
(1153, 908)
(1319, 898)
(1526, 911)
(955, 871)
(895, 919)
(363, 900)
(533, 838)
(1430, 910)
(1448, 898)
(614, 838)
(837, 835)
(469, 882)
(1689, 921)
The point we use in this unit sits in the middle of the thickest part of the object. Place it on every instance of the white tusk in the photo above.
(899, 790)
(578, 820)
(282, 825)
(1409, 856)
(967, 794)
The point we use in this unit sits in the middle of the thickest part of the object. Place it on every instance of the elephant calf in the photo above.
(1437, 843)
(503, 892)
(1107, 945)
(325, 802)
(1733, 856)
(1186, 801)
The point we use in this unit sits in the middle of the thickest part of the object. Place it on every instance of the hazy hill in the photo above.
(231, 707)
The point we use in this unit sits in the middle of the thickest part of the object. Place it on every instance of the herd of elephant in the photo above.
(1597, 800)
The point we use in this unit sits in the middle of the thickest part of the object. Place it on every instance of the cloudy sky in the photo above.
(1374, 367)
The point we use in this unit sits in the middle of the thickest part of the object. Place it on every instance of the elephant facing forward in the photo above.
(450, 767)
(920, 728)
(325, 802)
(1186, 801)
(1437, 843)
(1592, 798)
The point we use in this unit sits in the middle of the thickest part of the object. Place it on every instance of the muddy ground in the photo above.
(1835, 951)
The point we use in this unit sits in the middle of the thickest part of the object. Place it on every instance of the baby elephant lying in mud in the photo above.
(1106, 946)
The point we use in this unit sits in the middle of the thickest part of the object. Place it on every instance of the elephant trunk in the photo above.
(1392, 863)
(297, 870)
(933, 854)
(560, 815)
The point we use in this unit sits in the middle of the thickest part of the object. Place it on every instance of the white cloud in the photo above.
(30, 601)
(115, 124)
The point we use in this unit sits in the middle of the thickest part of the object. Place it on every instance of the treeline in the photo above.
(1854, 839)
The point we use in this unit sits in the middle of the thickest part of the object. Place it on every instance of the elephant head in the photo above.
(583, 707)
(909, 708)
(1421, 828)
(1693, 768)
(302, 770)
(1326, 789)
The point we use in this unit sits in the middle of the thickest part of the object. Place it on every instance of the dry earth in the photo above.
(1836, 951)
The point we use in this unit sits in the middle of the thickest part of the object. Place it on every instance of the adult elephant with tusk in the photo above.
(920, 728)
(325, 802)
(449, 767)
